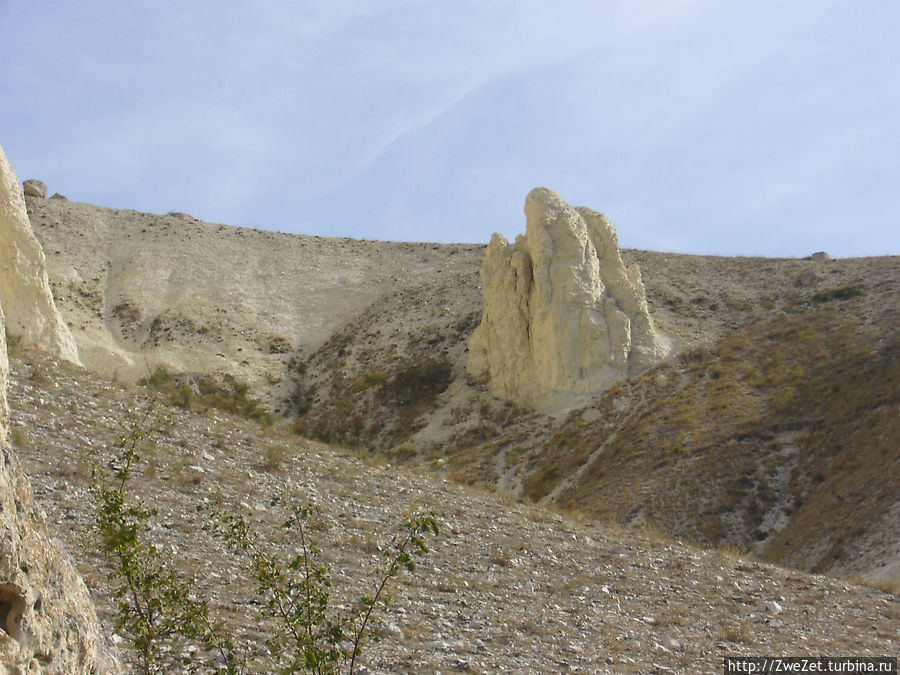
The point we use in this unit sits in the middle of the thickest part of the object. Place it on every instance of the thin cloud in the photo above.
(691, 116)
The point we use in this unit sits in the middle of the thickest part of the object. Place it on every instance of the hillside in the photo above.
(772, 429)
(508, 587)
(141, 289)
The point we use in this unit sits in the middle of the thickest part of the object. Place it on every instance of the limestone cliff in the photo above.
(47, 621)
(563, 317)
(24, 288)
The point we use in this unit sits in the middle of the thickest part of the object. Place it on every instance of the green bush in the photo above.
(172, 631)
(157, 380)
(309, 635)
(274, 456)
(155, 607)
(229, 396)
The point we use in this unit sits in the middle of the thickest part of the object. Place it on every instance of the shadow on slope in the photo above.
(780, 439)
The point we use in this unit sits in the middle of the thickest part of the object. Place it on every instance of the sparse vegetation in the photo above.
(775, 416)
(842, 293)
(171, 628)
(13, 344)
(275, 456)
(384, 403)
(226, 394)
(555, 577)
(785, 416)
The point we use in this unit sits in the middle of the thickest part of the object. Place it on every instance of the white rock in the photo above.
(24, 289)
(4, 375)
(563, 317)
(49, 624)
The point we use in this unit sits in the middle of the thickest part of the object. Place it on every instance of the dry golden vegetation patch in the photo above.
(781, 438)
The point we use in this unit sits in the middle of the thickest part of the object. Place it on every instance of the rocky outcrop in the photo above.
(35, 188)
(563, 317)
(47, 620)
(24, 288)
(4, 374)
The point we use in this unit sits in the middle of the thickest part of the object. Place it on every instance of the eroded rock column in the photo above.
(563, 317)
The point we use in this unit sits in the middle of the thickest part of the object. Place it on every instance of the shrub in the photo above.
(782, 401)
(230, 396)
(157, 380)
(158, 609)
(274, 456)
(279, 345)
(182, 396)
(155, 607)
(842, 293)
(310, 636)
(418, 382)
(13, 344)
(18, 440)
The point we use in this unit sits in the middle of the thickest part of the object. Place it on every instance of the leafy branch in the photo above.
(155, 606)
(308, 637)
(162, 615)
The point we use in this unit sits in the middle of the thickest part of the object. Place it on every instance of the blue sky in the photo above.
(731, 127)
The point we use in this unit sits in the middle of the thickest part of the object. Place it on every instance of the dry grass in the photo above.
(798, 414)
(888, 586)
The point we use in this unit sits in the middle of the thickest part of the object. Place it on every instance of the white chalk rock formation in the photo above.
(563, 317)
(47, 621)
(24, 288)
(4, 375)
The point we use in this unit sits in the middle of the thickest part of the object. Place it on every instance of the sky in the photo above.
(727, 127)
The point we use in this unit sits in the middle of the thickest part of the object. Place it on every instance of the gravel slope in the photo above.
(507, 587)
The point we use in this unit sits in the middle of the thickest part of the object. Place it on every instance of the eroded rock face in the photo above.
(24, 288)
(4, 375)
(35, 188)
(563, 317)
(47, 620)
